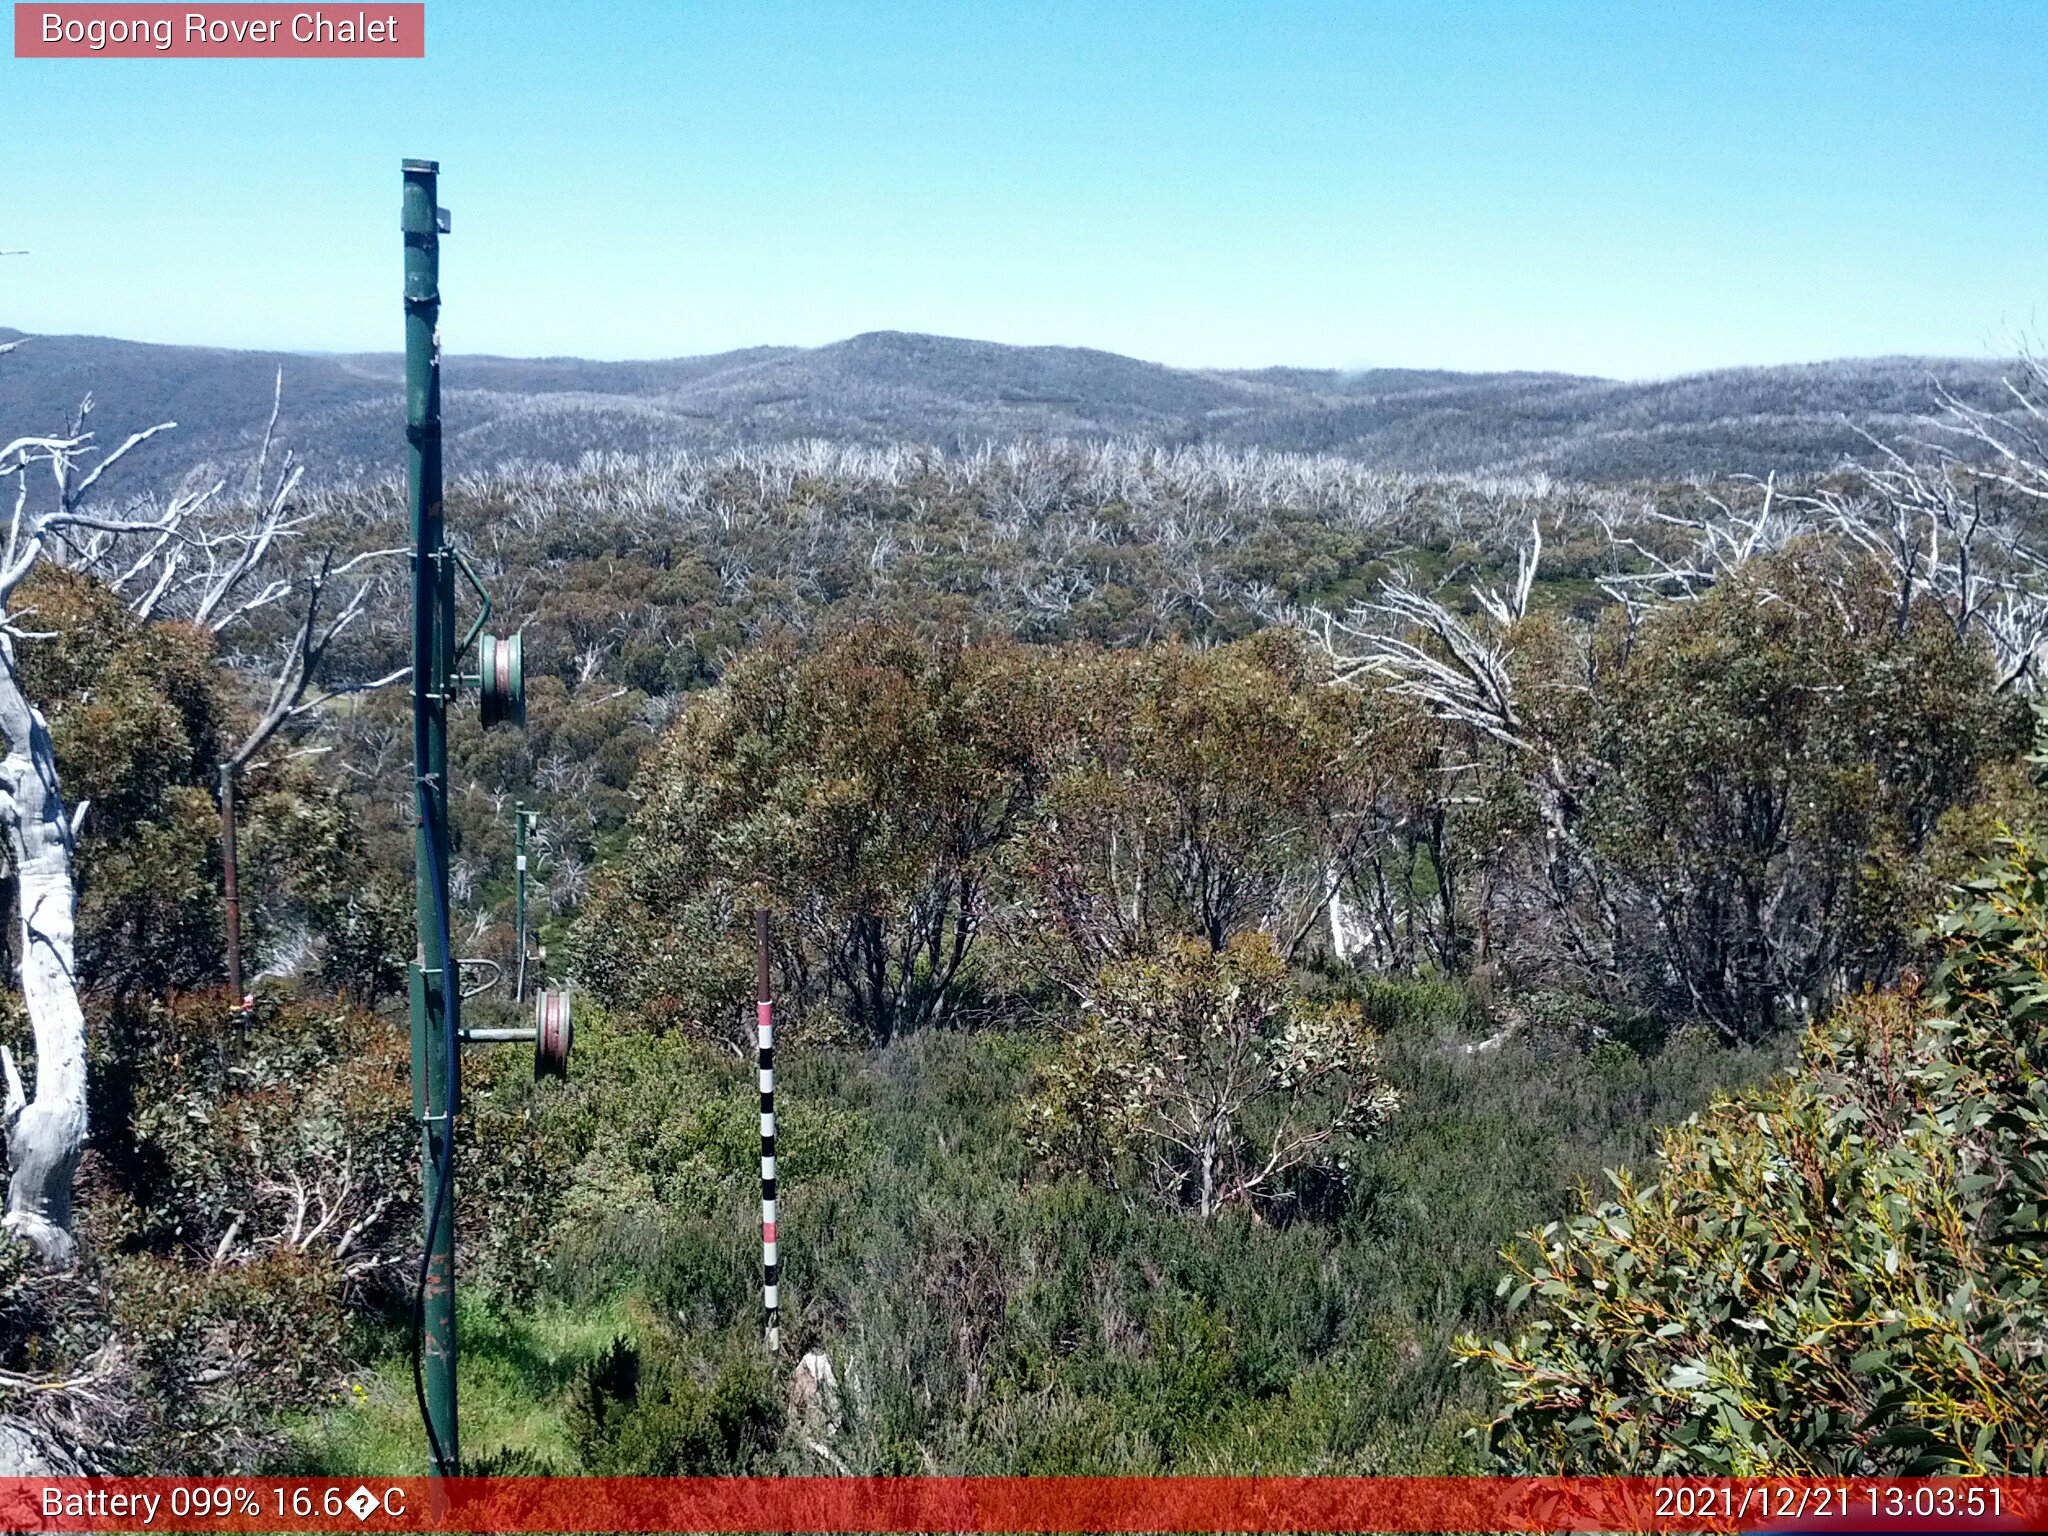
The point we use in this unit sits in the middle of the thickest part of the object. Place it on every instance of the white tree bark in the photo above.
(1343, 940)
(46, 1134)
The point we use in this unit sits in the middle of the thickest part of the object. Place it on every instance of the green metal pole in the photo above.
(435, 998)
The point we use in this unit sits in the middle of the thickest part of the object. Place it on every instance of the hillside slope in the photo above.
(341, 412)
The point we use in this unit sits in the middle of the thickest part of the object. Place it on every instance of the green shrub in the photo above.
(1203, 1074)
(1767, 768)
(648, 1413)
(1845, 1273)
(256, 1187)
(218, 1357)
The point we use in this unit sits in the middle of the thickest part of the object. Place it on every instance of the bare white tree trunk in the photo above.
(1341, 946)
(45, 1135)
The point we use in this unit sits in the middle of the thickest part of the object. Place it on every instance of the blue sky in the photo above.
(1631, 189)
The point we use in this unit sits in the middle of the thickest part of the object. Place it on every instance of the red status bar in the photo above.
(1053, 1504)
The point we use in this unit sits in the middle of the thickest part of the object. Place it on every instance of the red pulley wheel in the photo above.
(553, 1032)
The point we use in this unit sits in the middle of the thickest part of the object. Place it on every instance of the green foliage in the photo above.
(218, 1355)
(1753, 794)
(863, 791)
(1768, 769)
(136, 716)
(293, 1131)
(140, 714)
(516, 1368)
(903, 802)
(983, 1318)
(635, 1413)
(48, 1323)
(1194, 792)
(1731, 809)
(648, 1157)
(1205, 1070)
(1843, 1273)
(367, 920)
(262, 1187)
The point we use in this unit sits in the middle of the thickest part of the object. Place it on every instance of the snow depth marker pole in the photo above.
(764, 1026)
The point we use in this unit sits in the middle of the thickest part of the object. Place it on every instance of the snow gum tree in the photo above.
(46, 1132)
(197, 559)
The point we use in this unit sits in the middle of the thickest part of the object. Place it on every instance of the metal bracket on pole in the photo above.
(483, 598)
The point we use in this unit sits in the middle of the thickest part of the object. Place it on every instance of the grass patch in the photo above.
(512, 1381)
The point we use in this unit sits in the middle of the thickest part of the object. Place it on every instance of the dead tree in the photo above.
(1461, 671)
(214, 563)
(1942, 518)
(190, 558)
(296, 694)
(46, 1133)
(1714, 547)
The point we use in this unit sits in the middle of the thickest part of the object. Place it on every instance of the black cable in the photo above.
(444, 1165)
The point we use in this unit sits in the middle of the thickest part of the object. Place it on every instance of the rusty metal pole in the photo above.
(229, 891)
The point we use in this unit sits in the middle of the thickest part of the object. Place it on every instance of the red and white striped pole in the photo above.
(764, 1016)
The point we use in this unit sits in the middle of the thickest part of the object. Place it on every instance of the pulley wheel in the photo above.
(552, 1034)
(501, 693)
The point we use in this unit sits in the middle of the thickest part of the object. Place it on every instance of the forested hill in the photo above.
(891, 387)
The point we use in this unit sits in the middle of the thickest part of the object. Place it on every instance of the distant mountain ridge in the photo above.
(342, 412)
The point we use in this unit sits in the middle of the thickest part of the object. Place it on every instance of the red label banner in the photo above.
(1054, 1504)
(117, 31)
